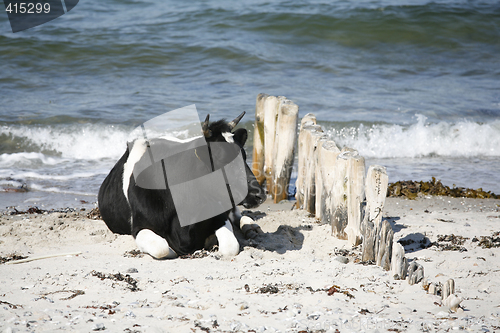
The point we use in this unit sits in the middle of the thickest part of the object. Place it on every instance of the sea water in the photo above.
(413, 85)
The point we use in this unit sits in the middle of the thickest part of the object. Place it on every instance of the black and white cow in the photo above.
(150, 216)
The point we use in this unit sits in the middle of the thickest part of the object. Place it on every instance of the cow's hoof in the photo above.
(249, 229)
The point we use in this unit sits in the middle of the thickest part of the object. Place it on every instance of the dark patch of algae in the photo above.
(412, 189)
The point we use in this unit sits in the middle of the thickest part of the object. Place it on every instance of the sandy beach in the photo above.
(295, 277)
(410, 85)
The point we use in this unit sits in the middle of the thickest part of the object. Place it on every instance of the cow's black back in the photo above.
(113, 205)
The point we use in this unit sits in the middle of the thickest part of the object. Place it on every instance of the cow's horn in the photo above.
(206, 132)
(236, 120)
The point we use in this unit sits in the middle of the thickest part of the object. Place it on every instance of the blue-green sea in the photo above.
(414, 85)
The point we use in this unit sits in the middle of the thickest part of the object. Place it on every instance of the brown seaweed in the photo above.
(488, 242)
(12, 257)
(131, 282)
(450, 243)
(412, 189)
(94, 214)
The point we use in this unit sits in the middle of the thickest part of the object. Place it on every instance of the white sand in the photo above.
(278, 283)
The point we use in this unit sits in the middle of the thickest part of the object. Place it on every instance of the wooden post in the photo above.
(453, 302)
(415, 273)
(386, 237)
(284, 149)
(348, 194)
(448, 289)
(370, 243)
(309, 137)
(327, 157)
(275, 137)
(340, 193)
(271, 107)
(355, 199)
(399, 263)
(308, 120)
(258, 140)
(419, 274)
(376, 191)
(316, 136)
(433, 288)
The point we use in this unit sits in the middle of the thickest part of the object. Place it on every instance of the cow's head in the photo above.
(222, 131)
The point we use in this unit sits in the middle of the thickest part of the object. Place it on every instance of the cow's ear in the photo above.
(240, 136)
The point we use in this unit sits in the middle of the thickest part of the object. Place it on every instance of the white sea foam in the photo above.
(75, 142)
(460, 139)
(86, 142)
(6, 173)
(9, 182)
(28, 159)
(52, 189)
(62, 159)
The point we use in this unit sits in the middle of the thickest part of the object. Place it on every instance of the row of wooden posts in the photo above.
(274, 140)
(331, 182)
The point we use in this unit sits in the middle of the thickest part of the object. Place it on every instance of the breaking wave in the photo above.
(421, 139)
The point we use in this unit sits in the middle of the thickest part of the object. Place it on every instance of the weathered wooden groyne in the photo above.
(334, 185)
(274, 143)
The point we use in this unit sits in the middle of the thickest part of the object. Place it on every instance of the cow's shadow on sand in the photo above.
(285, 238)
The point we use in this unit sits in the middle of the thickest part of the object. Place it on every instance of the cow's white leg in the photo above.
(157, 247)
(228, 244)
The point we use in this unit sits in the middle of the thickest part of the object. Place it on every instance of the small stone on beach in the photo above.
(342, 259)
